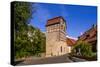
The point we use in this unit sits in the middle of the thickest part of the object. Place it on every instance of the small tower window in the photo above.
(61, 48)
(61, 25)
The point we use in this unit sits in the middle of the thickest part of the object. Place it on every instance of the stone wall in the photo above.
(55, 47)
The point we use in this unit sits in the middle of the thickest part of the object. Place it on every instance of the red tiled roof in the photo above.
(70, 42)
(90, 35)
(54, 21)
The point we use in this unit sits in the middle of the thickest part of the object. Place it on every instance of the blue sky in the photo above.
(78, 18)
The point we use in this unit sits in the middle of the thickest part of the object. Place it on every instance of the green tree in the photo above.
(37, 40)
(28, 40)
(84, 48)
(22, 13)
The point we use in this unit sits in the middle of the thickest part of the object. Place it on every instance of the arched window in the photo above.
(61, 48)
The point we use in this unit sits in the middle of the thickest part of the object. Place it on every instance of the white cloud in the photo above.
(72, 37)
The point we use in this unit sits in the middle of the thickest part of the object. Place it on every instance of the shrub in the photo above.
(84, 48)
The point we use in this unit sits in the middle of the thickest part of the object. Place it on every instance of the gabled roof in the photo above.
(55, 20)
(89, 35)
(70, 42)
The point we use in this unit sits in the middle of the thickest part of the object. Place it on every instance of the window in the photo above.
(61, 26)
(87, 36)
(61, 48)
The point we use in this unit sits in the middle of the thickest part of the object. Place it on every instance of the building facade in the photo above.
(56, 37)
(90, 36)
(70, 42)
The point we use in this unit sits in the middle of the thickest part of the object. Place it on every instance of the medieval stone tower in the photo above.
(56, 37)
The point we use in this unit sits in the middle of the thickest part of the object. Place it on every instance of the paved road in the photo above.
(57, 59)
(75, 59)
